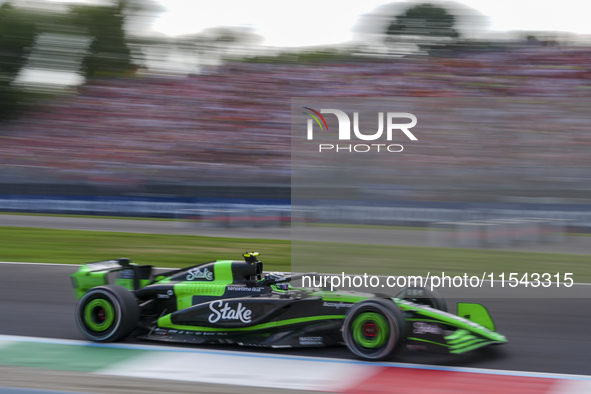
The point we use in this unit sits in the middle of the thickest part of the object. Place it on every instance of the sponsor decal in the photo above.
(103, 265)
(311, 340)
(126, 274)
(196, 273)
(337, 305)
(417, 347)
(244, 288)
(426, 328)
(168, 294)
(226, 312)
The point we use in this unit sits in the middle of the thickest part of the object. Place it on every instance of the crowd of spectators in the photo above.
(233, 124)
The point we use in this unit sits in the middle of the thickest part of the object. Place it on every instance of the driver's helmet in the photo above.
(277, 276)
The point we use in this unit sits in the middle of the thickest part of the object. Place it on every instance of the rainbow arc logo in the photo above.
(316, 118)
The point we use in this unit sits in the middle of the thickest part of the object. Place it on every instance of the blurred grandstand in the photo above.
(171, 135)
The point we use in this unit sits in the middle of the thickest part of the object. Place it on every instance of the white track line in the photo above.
(172, 268)
(201, 350)
(28, 263)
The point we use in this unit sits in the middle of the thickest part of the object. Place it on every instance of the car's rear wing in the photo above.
(130, 276)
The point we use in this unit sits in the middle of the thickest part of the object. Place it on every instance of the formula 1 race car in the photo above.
(234, 302)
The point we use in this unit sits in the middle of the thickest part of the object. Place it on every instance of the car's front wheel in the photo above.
(374, 329)
(107, 313)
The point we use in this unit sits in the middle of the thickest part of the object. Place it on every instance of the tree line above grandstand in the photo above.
(91, 40)
(87, 39)
(42, 39)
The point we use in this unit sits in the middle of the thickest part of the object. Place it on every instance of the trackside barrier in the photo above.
(236, 217)
(425, 216)
(468, 234)
(496, 232)
(551, 225)
(551, 230)
(121, 207)
(124, 207)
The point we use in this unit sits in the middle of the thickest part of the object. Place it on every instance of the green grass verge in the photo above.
(404, 260)
(75, 247)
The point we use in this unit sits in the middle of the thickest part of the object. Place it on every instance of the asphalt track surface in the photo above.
(546, 335)
(369, 236)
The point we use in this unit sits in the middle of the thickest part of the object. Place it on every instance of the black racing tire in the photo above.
(423, 296)
(374, 329)
(107, 313)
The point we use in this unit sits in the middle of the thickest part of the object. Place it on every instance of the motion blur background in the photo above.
(182, 109)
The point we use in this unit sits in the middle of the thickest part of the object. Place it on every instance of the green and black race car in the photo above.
(234, 302)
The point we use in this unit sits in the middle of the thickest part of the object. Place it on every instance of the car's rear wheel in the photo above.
(107, 313)
(423, 296)
(374, 329)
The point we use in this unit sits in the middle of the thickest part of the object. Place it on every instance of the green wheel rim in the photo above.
(374, 322)
(99, 315)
